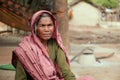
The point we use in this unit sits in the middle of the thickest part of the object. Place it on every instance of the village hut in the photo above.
(85, 14)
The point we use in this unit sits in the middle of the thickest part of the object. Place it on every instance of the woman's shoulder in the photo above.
(53, 42)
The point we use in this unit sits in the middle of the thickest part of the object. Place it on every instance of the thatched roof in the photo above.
(17, 13)
(74, 2)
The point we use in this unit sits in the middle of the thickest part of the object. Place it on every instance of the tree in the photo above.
(61, 9)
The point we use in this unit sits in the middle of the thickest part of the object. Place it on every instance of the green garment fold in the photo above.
(7, 67)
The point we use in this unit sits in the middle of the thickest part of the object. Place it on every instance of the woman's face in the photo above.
(45, 28)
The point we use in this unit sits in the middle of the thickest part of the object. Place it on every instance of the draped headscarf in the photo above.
(33, 56)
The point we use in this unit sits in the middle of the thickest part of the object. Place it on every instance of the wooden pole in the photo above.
(61, 9)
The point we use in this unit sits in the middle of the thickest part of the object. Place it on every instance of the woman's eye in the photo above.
(50, 25)
(41, 25)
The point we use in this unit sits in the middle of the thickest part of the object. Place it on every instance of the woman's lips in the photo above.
(46, 35)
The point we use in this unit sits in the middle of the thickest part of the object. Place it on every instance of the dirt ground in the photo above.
(102, 41)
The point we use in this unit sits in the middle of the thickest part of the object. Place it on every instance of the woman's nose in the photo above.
(46, 28)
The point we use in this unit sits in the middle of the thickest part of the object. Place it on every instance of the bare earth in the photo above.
(102, 41)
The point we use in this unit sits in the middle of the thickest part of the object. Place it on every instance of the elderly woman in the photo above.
(41, 55)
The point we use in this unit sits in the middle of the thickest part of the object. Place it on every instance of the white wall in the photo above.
(85, 14)
(3, 27)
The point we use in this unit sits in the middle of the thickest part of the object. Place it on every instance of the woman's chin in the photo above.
(46, 38)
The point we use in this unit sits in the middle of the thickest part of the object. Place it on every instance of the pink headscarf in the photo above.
(34, 57)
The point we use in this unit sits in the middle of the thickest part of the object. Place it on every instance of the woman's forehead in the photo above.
(45, 19)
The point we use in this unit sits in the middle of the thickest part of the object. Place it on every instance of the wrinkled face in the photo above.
(45, 28)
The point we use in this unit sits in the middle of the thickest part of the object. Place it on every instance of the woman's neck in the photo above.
(44, 42)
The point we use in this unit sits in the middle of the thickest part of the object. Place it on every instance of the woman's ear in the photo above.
(35, 29)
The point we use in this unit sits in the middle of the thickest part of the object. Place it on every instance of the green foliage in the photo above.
(104, 3)
(107, 3)
(70, 1)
